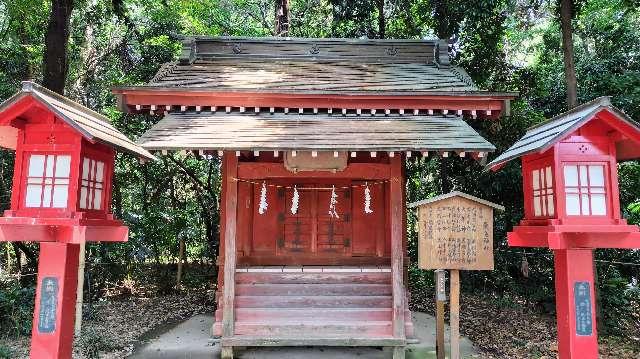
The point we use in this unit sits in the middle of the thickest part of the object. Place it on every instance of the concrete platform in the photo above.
(192, 340)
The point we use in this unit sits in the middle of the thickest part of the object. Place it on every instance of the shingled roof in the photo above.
(543, 136)
(321, 132)
(92, 125)
(314, 65)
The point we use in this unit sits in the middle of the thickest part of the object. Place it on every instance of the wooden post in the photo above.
(80, 291)
(397, 255)
(230, 205)
(454, 315)
(577, 334)
(441, 298)
(52, 333)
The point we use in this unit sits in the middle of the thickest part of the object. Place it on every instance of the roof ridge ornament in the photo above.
(189, 49)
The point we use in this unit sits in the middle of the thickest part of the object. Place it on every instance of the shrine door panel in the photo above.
(266, 227)
(334, 229)
(297, 229)
(368, 228)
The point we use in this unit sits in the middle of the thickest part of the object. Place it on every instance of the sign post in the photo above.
(455, 232)
(441, 298)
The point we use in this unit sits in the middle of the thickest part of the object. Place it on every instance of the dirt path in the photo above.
(191, 339)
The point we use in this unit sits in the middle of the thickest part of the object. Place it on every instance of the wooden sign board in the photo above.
(455, 231)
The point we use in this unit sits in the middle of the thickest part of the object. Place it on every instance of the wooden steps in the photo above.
(287, 306)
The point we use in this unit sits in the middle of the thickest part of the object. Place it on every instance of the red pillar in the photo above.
(575, 304)
(54, 314)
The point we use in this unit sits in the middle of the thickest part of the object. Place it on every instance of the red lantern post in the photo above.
(570, 182)
(61, 198)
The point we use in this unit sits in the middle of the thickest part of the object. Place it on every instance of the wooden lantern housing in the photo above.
(64, 165)
(570, 178)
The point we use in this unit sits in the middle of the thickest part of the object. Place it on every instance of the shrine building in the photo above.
(313, 136)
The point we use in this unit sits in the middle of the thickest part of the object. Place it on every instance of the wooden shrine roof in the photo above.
(92, 125)
(314, 65)
(543, 136)
(278, 131)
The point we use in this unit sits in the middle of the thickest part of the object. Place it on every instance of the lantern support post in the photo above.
(577, 334)
(55, 303)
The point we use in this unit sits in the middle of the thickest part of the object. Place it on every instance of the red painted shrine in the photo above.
(313, 135)
(572, 206)
(61, 197)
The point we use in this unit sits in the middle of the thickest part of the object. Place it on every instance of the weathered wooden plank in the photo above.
(314, 302)
(397, 253)
(454, 315)
(312, 132)
(230, 205)
(312, 278)
(275, 314)
(317, 328)
(271, 289)
(293, 341)
(217, 327)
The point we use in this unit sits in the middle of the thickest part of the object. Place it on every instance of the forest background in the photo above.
(505, 45)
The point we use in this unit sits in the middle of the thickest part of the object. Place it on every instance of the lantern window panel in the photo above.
(91, 184)
(48, 181)
(542, 182)
(585, 192)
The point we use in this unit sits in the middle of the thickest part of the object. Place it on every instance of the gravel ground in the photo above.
(116, 327)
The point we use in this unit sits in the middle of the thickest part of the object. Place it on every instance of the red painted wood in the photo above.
(160, 98)
(245, 220)
(314, 301)
(231, 205)
(271, 289)
(368, 228)
(261, 171)
(266, 227)
(574, 265)
(311, 277)
(58, 261)
(397, 209)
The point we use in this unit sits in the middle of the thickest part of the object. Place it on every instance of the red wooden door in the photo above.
(312, 230)
(334, 231)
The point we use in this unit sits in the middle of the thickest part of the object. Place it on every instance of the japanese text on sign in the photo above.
(455, 233)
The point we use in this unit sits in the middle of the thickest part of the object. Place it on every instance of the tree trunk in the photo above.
(282, 18)
(55, 51)
(381, 19)
(567, 48)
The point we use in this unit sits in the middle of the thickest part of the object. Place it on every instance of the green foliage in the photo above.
(16, 308)
(92, 342)
(504, 45)
(5, 353)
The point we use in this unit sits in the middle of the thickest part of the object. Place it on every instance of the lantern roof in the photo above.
(312, 132)
(90, 124)
(456, 194)
(541, 137)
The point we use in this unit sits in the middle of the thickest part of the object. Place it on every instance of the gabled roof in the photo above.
(543, 136)
(312, 132)
(456, 194)
(329, 66)
(92, 125)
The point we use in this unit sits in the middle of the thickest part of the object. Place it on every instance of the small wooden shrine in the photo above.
(572, 206)
(61, 197)
(313, 135)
